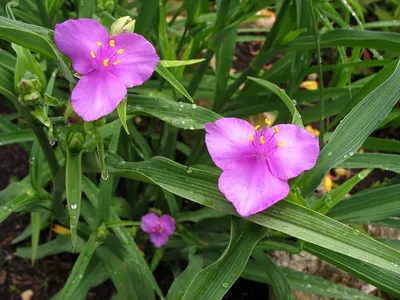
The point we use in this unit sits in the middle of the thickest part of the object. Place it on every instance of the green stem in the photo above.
(122, 224)
(320, 79)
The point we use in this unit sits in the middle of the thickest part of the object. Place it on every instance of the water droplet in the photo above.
(395, 263)
(122, 162)
(189, 170)
(294, 102)
(191, 127)
(32, 160)
(194, 106)
(345, 156)
(80, 276)
(225, 285)
(52, 142)
(183, 122)
(308, 286)
(356, 232)
(180, 109)
(104, 174)
(74, 206)
(351, 153)
(330, 153)
(181, 104)
(138, 107)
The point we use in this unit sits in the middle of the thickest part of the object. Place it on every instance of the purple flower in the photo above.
(159, 228)
(109, 64)
(257, 163)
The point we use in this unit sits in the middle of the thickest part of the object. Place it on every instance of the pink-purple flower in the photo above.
(257, 163)
(159, 228)
(108, 64)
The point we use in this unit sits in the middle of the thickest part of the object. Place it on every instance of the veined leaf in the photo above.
(177, 63)
(373, 160)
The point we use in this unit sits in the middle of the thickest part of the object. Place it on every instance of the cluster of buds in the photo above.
(29, 90)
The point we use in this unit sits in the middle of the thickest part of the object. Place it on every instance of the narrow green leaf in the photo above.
(122, 113)
(277, 278)
(35, 222)
(325, 203)
(73, 185)
(296, 118)
(373, 160)
(215, 280)
(181, 115)
(167, 75)
(178, 63)
(362, 207)
(387, 145)
(354, 130)
(25, 135)
(17, 203)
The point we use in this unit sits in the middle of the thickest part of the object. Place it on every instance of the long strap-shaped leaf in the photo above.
(201, 187)
(215, 280)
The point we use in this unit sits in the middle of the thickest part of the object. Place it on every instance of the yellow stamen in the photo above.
(257, 127)
(105, 62)
(251, 137)
(112, 43)
(262, 140)
(280, 144)
(98, 44)
(120, 51)
(92, 54)
(276, 129)
(116, 62)
(267, 121)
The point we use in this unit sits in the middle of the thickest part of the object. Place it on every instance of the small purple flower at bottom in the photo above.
(159, 228)
(257, 163)
(108, 64)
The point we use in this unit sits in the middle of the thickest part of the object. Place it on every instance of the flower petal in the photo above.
(137, 61)
(251, 187)
(148, 222)
(159, 239)
(299, 152)
(77, 39)
(168, 224)
(97, 94)
(228, 141)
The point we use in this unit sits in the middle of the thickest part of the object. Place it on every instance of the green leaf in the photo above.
(73, 176)
(167, 75)
(325, 203)
(379, 277)
(387, 145)
(277, 278)
(362, 207)
(178, 63)
(44, 217)
(25, 135)
(201, 187)
(296, 118)
(181, 283)
(354, 130)
(122, 114)
(60, 244)
(17, 203)
(215, 280)
(35, 221)
(181, 115)
(373, 160)
(80, 267)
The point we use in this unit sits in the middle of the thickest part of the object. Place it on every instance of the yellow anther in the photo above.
(267, 121)
(120, 51)
(276, 129)
(116, 62)
(98, 44)
(251, 137)
(92, 54)
(105, 62)
(112, 43)
(262, 140)
(280, 144)
(257, 127)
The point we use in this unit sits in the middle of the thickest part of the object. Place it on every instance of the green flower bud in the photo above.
(26, 86)
(109, 5)
(123, 25)
(31, 100)
(101, 233)
(75, 141)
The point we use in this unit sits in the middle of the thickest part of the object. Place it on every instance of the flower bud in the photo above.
(26, 86)
(109, 5)
(31, 100)
(123, 25)
(70, 116)
(101, 233)
(75, 141)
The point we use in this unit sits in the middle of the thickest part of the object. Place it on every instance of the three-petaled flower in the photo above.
(109, 64)
(159, 228)
(257, 163)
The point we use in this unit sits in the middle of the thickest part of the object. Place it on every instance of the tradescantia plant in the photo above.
(138, 146)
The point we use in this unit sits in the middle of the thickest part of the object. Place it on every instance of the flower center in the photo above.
(262, 140)
(158, 228)
(106, 55)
